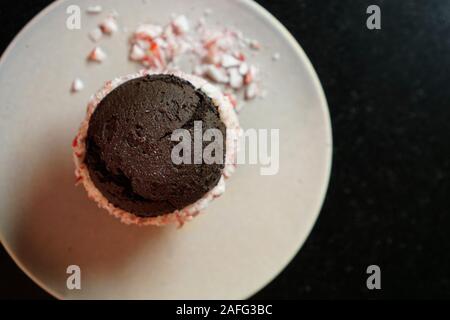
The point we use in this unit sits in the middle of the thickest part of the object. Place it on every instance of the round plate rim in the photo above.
(312, 74)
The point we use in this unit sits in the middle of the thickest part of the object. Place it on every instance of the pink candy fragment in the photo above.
(214, 54)
(109, 25)
(217, 55)
(97, 54)
(180, 25)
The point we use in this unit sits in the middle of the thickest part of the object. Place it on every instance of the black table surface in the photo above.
(388, 199)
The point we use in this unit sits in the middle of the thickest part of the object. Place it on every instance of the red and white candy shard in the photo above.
(251, 91)
(236, 79)
(97, 54)
(180, 25)
(216, 74)
(229, 61)
(109, 25)
(148, 31)
(137, 53)
(255, 45)
(216, 55)
(243, 68)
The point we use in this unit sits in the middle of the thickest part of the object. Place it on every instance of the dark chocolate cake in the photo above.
(129, 145)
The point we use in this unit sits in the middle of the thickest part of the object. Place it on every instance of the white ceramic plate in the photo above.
(242, 241)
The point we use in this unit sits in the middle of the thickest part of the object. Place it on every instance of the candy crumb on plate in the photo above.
(97, 54)
(77, 85)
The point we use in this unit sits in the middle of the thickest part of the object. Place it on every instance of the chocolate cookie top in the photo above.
(129, 145)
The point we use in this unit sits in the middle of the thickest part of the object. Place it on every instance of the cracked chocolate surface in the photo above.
(129, 145)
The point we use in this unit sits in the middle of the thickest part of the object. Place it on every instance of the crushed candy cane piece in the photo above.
(94, 9)
(146, 31)
(244, 69)
(236, 79)
(232, 98)
(229, 61)
(213, 56)
(251, 91)
(77, 85)
(207, 12)
(97, 54)
(95, 34)
(219, 55)
(137, 53)
(216, 74)
(181, 25)
(255, 45)
(109, 25)
(240, 56)
(250, 76)
(276, 56)
(143, 44)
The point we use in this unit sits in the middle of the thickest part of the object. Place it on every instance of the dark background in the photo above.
(388, 201)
